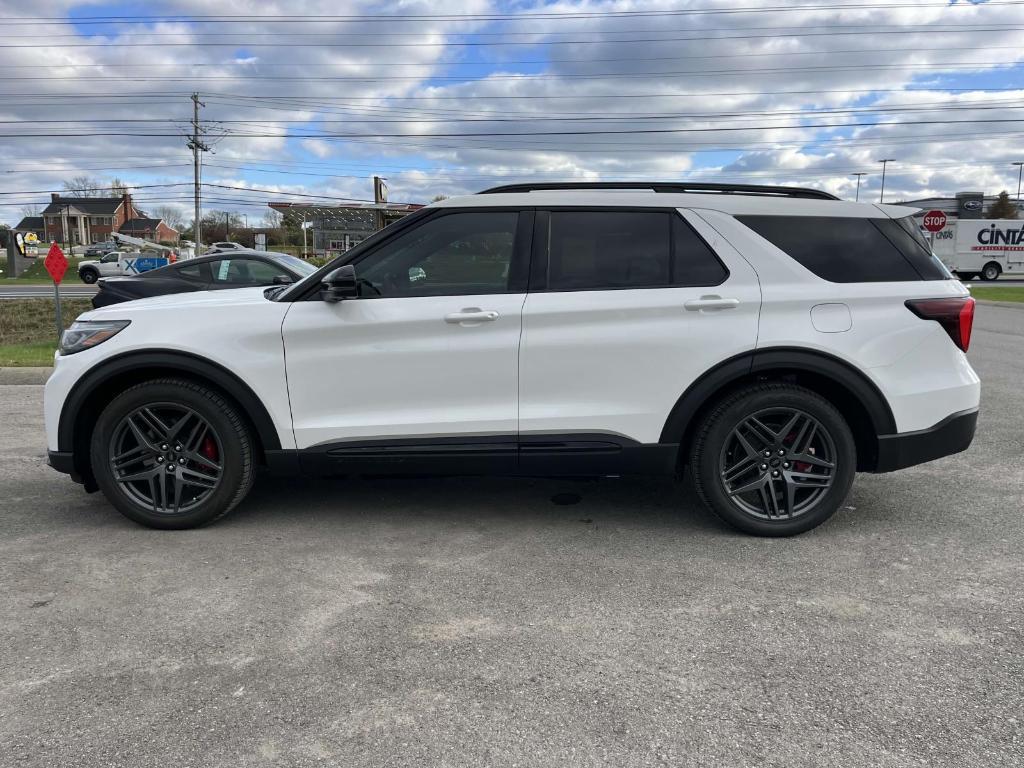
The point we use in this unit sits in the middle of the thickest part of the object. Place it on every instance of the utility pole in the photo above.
(1020, 173)
(227, 225)
(197, 146)
(858, 175)
(881, 195)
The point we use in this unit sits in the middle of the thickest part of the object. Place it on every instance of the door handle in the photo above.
(471, 316)
(711, 303)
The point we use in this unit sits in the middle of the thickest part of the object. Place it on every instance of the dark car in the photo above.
(239, 269)
(99, 249)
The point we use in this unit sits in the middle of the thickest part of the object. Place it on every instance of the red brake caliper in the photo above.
(799, 466)
(208, 448)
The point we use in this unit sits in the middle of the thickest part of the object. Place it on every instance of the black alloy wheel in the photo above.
(778, 463)
(166, 457)
(773, 459)
(172, 453)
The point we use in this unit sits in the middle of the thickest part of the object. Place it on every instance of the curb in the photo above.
(24, 375)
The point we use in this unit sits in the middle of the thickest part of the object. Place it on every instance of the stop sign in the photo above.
(934, 221)
(56, 264)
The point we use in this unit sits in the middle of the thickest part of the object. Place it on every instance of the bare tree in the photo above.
(273, 219)
(118, 187)
(172, 216)
(32, 209)
(84, 186)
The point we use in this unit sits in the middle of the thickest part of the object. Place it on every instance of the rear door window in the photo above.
(848, 250)
(606, 250)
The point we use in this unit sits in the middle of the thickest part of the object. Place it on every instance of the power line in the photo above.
(788, 31)
(489, 134)
(529, 77)
(534, 118)
(543, 15)
(391, 63)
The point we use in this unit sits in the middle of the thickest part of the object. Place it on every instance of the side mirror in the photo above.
(340, 284)
(282, 280)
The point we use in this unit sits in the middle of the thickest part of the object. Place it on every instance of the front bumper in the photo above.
(951, 435)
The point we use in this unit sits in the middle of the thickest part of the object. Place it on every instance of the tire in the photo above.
(968, 276)
(89, 276)
(172, 423)
(991, 271)
(804, 493)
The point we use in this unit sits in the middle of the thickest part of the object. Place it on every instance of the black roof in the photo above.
(140, 225)
(96, 206)
(30, 223)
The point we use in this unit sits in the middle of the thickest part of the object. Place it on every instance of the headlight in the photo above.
(84, 334)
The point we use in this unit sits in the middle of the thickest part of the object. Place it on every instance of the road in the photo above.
(477, 623)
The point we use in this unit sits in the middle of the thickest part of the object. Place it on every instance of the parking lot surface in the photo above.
(472, 622)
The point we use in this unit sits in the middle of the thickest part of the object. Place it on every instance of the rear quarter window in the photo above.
(845, 250)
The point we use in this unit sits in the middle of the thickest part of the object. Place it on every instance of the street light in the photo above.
(881, 195)
(1020, 172)
(858, 175)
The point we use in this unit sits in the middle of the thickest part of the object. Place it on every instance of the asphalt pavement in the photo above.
(475, 622)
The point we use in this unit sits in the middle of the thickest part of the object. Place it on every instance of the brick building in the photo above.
(32, 224)
(83, 220)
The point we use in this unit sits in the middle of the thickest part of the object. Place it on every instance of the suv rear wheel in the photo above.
(172, 454)
(774, 459)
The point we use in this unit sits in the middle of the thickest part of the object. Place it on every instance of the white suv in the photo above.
(773, 340)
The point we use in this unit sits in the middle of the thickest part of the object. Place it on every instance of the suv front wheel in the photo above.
(774, 459)
(172, 454)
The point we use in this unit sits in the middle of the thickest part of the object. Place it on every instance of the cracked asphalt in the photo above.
(458, 622)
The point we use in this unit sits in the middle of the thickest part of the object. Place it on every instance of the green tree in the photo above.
(1003, 207)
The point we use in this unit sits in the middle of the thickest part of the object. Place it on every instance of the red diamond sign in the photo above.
(56, 263)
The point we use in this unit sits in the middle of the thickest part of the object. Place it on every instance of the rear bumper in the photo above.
(951, 435)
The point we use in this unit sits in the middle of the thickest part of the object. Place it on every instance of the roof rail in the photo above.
(670, 187)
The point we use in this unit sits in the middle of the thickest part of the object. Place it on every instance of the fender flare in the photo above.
(180, 362)
(778, 358)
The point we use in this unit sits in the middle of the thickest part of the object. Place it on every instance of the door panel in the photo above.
(396, 367)
(616, 361)
(430, 349)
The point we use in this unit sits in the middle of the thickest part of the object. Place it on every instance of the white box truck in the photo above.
(984, 248)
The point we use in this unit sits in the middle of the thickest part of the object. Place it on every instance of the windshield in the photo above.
(293, 262)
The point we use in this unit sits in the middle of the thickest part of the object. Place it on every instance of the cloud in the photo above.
(318, 147)
(806, 96)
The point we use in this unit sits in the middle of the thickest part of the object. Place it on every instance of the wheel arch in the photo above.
(857, 397)
(98, 386)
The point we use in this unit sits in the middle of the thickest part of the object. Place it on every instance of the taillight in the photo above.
(956, 315)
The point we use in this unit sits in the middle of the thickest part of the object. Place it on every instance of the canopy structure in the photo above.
(337, 228)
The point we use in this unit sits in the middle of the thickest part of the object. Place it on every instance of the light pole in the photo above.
(881, 195)
(858, 175)
(1020, 173)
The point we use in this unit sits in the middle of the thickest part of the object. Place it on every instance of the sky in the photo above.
(307, 101)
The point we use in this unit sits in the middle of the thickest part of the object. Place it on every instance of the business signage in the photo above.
(1000, 237)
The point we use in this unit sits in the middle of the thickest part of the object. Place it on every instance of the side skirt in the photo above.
(573, 455)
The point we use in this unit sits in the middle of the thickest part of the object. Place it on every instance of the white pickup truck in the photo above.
(120, 263)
